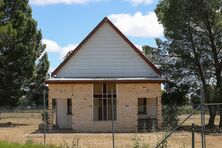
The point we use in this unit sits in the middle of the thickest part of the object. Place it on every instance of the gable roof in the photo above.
(105, 20)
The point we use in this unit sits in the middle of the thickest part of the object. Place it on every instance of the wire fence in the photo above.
(27, 124)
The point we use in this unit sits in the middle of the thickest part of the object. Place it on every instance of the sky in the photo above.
(65, 23)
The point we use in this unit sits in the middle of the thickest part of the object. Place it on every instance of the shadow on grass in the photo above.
(10, 124)
(54, 131)
(197, 129)
(188, 128)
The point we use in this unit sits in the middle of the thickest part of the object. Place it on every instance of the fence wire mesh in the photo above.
(22, 125)
(213, 124)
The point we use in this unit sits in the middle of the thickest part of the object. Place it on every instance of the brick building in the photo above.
(105, 71)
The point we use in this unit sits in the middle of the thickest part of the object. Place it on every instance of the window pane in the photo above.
(110, 109)
(53, 104)
(97, 88)
(142, 105)
(104, 88)
(105, 109)
(69, 106)
(97, 109)
(111, 88)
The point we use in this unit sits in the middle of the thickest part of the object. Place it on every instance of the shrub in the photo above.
(29, 141)
(164, 144)
(46, 116)
(139, 143)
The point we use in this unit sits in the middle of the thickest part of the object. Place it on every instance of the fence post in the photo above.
(193, 138)
(113, 139)
(202, 119)
(44, 116)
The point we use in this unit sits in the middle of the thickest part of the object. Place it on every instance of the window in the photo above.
(69, 106)
(142, 105)
(103, 95)
(53, 104)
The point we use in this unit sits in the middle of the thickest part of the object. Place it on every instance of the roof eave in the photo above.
(101, 81)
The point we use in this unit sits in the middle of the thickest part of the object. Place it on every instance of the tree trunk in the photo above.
(220, 106)
(212, 113)
(220, 123)
(217, 65)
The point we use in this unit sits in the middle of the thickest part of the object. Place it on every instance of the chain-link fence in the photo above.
(25, 125)
(213, 123)
(184, 127)
(175, 119)
(178, 125)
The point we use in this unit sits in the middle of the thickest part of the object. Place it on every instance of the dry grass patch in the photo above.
(16, 127)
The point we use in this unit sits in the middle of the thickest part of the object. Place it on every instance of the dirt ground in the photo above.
(22, 127)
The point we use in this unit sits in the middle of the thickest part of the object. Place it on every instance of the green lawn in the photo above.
(4, 144)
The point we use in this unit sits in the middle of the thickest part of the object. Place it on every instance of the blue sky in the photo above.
(65, 23)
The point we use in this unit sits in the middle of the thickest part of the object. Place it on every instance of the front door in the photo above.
(64, 113)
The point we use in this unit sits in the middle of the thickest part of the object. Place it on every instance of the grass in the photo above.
(23, 129)
(4, 144)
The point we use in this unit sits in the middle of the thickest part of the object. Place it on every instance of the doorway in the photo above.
(64, 113)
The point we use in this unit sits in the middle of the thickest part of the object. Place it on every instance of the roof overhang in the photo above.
(100, 80)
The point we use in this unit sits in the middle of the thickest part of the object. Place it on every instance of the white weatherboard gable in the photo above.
(106, 54)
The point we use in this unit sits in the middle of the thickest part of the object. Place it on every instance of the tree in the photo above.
(35, 93)
(152, 53)
(193, 43)
(20, 47)
(148, 51)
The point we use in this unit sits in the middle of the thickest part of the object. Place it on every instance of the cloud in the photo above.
(48, 2)
(52, 46)
(138, 25)
(68, 2)
(139, 2)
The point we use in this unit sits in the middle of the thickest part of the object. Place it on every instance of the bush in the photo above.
(139, 143)
(195, 100)
(164, 144)
(46, 116)
(29, 141)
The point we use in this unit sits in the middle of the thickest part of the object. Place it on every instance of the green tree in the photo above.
(193, 43)
(151, 53)
(35, 93)
(20, 47)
